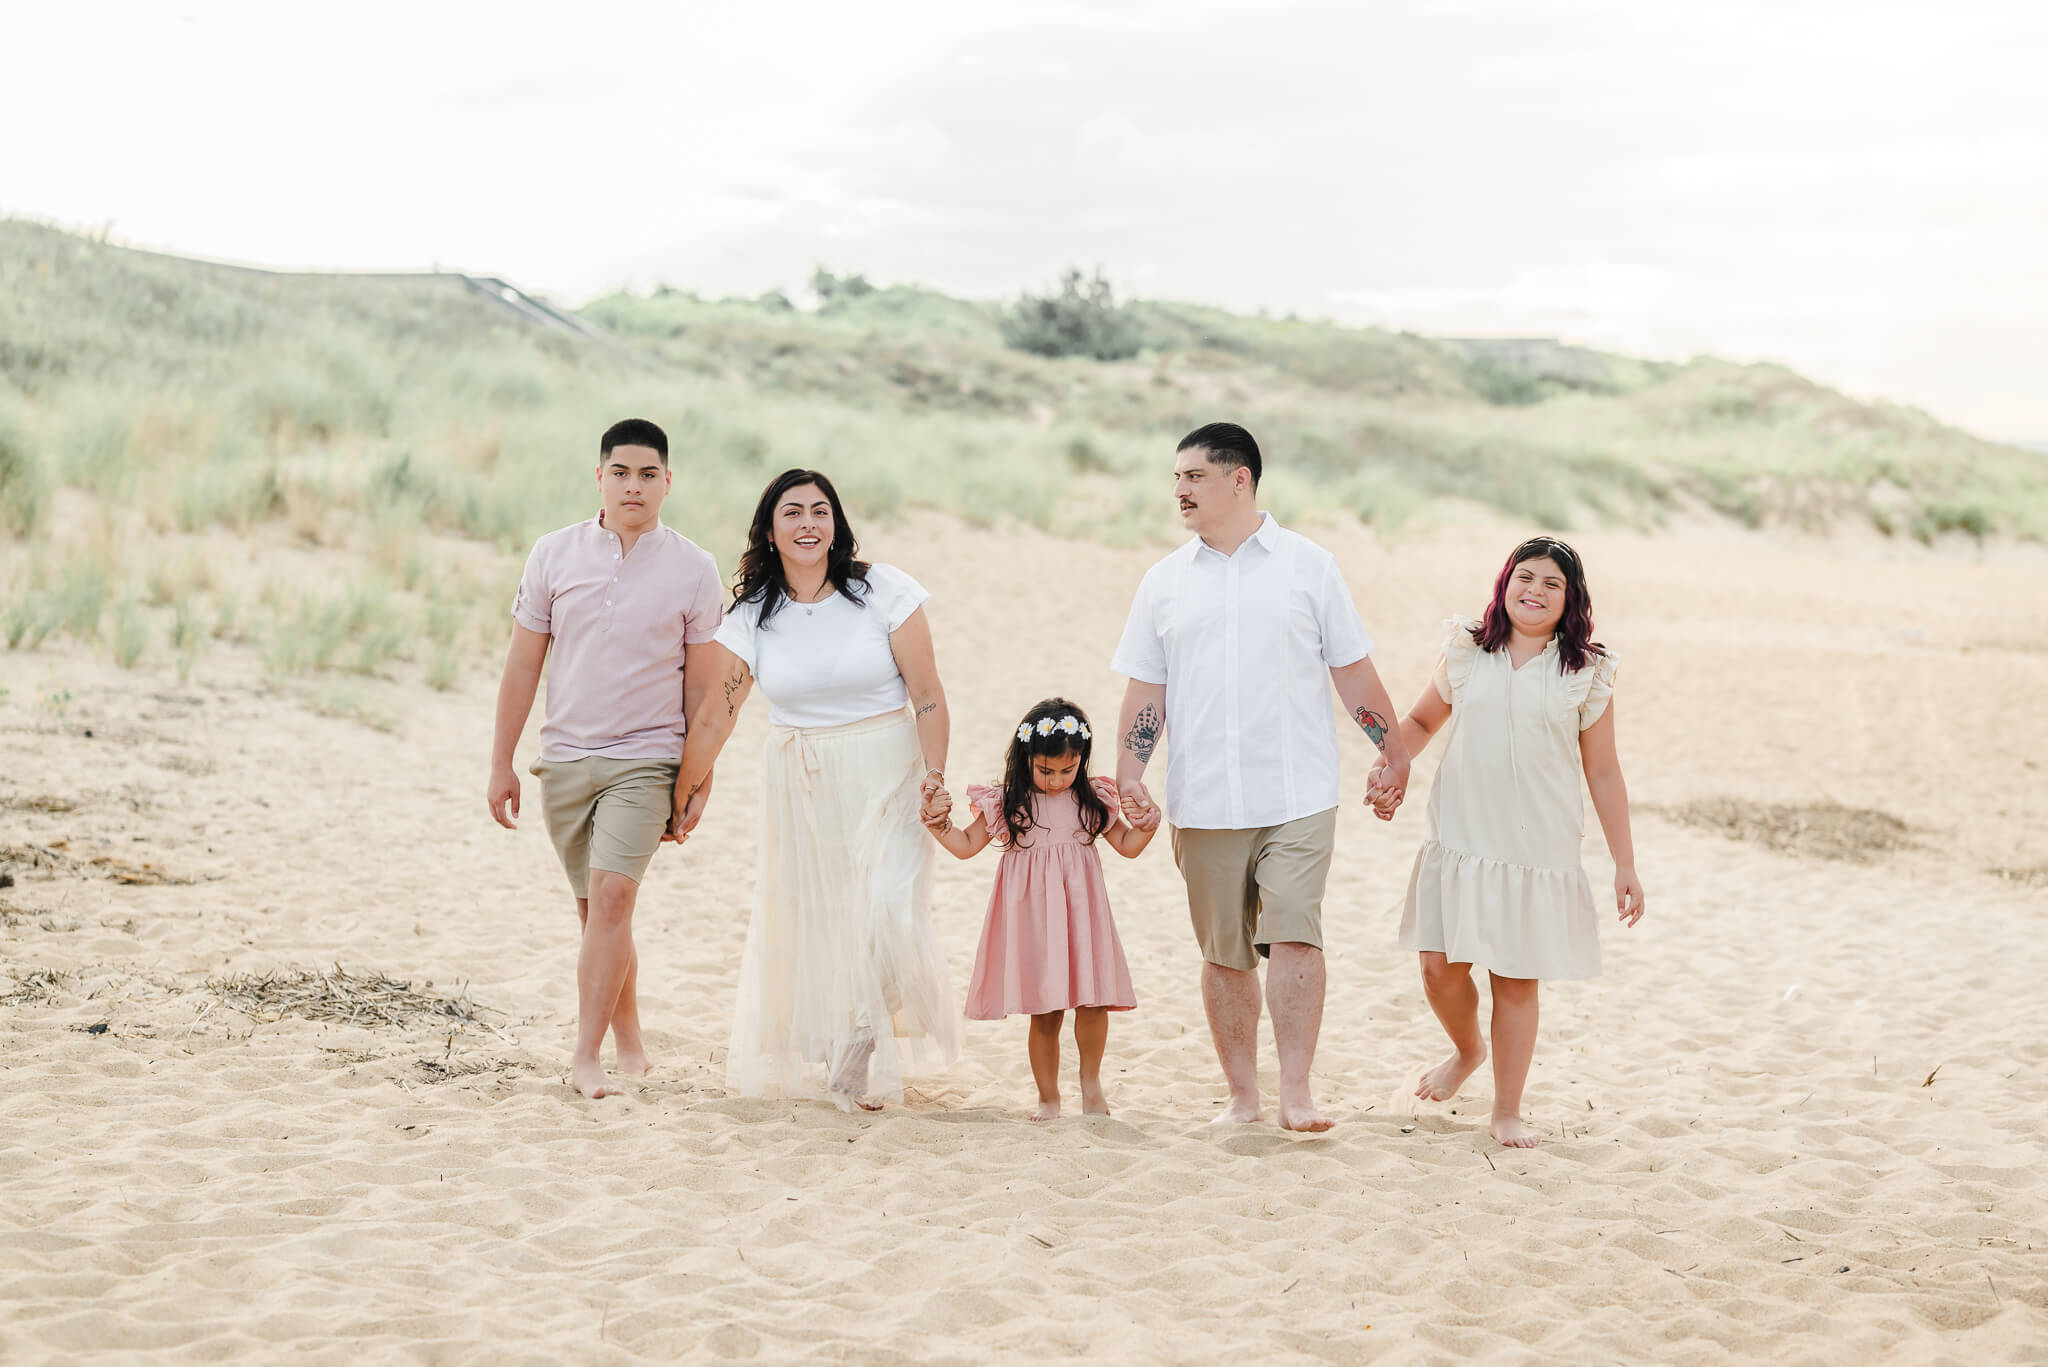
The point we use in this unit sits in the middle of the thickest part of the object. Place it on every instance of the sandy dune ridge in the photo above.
(1744, 1159)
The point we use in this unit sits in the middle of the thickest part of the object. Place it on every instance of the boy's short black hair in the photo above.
(635, 432)
(1228, 445)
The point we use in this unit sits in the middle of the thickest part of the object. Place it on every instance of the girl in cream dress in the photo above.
(1498, 882)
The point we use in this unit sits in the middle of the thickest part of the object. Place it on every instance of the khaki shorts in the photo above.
(606, 813)
(1250, 890)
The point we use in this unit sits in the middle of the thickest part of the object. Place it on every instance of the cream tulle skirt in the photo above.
(842, 972)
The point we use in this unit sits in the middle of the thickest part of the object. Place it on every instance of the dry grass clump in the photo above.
(368, 999)
(455, 1069)
(56, 857)
(33, 987)
(1818, 830)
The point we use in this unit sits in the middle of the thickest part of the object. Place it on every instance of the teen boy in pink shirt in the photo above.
(623, 604)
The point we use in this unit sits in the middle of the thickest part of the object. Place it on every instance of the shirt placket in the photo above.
(611, 589)
(1233, 729)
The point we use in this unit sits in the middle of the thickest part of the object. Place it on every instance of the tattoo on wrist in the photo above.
(1143, 736)
(928, 707)
(1375, 725)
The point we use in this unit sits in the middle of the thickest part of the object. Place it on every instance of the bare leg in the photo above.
(1091, 1034)
(633, 1060)
(849, 1081)
(600, 972)
(1294, 998)
(1514, 1044)
(1456, 1003)
(1230, 996)
(1045, 1062)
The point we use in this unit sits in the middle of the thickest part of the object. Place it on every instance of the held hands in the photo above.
(1628, 895)
(1385, 790)
(1139, 808)
(688, 811)
(503, 794)
(937, 811)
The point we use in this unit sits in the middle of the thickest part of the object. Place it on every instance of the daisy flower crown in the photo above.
(1070, 725)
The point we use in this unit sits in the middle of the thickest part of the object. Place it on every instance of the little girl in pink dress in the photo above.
(1049, 944)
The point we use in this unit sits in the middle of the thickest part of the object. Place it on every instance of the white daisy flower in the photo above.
(1045, 726)
(1069, 725)
(1086, 734)
(1024, 731)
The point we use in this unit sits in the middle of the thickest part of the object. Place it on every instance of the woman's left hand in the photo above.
(1628, 895)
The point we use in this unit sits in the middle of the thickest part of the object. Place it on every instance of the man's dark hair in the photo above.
(1228, 445)
(635, 432)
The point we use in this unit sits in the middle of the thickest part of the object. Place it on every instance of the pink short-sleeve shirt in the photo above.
(619, 623)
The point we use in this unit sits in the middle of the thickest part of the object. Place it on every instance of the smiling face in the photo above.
(801, 528)
(1535, 596)
(1055, 773)
(1210, 496)
(633, 481)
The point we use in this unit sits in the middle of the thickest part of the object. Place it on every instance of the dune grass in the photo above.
(376, 420)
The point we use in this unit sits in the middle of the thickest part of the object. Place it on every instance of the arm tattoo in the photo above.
(1143, 736)
(734, 682)
(928, 707)
(1375, 725)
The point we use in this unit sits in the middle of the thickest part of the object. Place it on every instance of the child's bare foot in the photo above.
(1240, 1113)
(1093, 1102)
(1510, 1131)
(591, 1080)
(1305, 1118)
(634, 1063)
(1442, 1082)
(1047, 1110)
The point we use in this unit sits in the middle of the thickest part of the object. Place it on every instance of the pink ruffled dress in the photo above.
(1049, 943)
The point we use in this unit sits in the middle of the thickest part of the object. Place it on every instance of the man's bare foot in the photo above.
(1240, 1113)
(634, 1063)
(1047, 1110)
(1510, 1131)
(1442, 1082)
(591, 1080)
(1304, 1118)
(1093, 1102)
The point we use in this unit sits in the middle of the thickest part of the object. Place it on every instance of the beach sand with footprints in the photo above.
(286, 1019)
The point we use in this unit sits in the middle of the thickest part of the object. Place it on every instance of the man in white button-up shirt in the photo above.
(1226, 648)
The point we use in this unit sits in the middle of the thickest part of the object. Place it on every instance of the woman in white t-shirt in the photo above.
(843, 987)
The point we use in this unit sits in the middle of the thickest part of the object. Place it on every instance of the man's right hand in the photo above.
(504, 795)
(1138, 803)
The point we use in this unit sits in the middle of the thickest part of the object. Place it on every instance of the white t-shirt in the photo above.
(1245, 644)
(829, 663)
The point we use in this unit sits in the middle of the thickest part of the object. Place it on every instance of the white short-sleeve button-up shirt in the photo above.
(1244, 644)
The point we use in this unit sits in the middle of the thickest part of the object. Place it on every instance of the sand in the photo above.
(1800, 1119)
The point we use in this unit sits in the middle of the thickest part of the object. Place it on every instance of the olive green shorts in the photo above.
(606, 813)
(1250, 890)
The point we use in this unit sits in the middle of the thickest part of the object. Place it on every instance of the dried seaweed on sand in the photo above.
(367, 999)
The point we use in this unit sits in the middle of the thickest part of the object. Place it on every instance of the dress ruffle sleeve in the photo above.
(1460, 653)
(1105, 788)
(989, 802)
(1592, 688)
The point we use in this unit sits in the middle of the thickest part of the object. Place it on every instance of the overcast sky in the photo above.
(1857, 189)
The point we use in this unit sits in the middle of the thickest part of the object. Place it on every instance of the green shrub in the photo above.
(1080, 319)
(131, 633)
(24, 489)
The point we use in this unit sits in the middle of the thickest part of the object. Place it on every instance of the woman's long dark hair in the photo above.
(1018, 788)
(1575, 644)
(760, 578)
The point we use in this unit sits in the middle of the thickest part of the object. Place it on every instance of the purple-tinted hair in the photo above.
(1575, 644)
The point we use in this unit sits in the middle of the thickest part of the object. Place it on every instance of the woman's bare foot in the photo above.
(634, 1063)
(1510, 1131)
(1093, 1102)
(849, 1082)
(1047, 1110)
(1442, 1082)
(591, 1080)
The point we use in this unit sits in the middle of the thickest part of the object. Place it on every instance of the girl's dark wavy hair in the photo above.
(1576, 647)
(1018, 788)
(759, 578)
